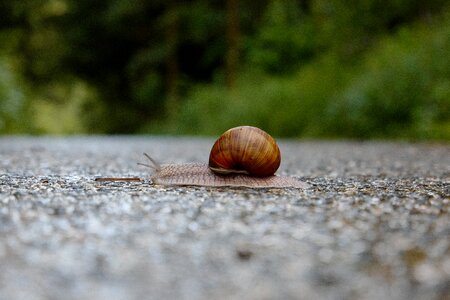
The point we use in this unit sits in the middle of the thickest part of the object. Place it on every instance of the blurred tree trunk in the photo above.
(233, 33)
(172, 67)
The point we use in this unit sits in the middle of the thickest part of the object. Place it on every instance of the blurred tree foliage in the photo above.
(310, 68)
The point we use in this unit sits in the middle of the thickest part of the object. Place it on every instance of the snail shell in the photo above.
(242, 157)
(245, 150)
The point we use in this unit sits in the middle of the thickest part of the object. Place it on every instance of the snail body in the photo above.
(198, 174)
(243, 156)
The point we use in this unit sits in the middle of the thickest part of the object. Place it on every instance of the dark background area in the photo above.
(296, 68)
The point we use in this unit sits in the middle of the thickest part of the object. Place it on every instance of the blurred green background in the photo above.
(296, 68)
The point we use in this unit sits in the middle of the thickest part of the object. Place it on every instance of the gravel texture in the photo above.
(373, 224)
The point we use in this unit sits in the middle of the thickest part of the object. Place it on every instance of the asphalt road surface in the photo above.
(374, 223)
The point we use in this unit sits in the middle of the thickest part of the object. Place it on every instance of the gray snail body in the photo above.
(198, 174)
(242, 157)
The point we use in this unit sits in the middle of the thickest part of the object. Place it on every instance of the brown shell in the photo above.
(247, 150)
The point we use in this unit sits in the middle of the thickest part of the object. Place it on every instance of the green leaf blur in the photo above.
(307, 69)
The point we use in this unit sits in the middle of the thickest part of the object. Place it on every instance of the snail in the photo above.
(243, 156)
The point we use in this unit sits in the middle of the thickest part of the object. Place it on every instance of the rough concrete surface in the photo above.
(374, 223)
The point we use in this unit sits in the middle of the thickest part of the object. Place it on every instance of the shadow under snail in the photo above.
(243, 156)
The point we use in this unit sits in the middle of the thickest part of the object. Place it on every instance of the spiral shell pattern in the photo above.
(245, 150)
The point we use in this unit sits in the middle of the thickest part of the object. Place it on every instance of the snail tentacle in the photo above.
(154, 164)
